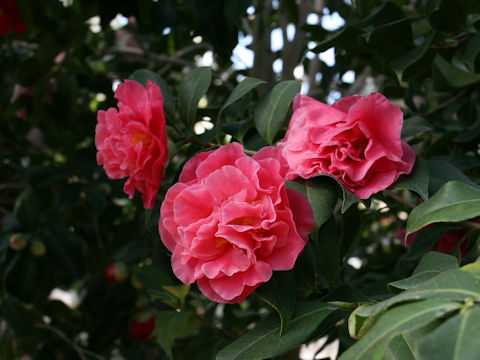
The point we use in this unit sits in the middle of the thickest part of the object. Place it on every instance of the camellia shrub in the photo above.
(185, 214)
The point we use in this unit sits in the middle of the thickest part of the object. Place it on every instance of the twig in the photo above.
(213, 145)
(216, 328)
(80, 351)
(445, 104)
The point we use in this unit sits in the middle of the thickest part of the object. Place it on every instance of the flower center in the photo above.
(244, 220)
(141, 137)
(220, 242)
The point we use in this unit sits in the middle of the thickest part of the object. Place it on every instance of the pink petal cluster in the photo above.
(356, 140)
(230, 221)
(132, 141)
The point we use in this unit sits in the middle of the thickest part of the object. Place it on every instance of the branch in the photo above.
(80, 351)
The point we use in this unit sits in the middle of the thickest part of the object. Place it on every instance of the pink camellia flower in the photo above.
(230, 221)
(356, 140)
(132, 141)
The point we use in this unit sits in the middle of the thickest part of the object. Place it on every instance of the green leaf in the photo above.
(179, 291)
(456, 339)
(431, 265)
(153, 277)
(405, 345)
(415, 125)
(441, 171)
(327, 250)
(451, 285)
(473, 269)
(346, 37)
(401, 319)
(455, 76)
(436, 261)
(417, 180)
(270, 111)
(247, 85)
(18, 317)
(279, 292)
(264, 341)
(192, 87)
(169, 325)
(321, 193)
(143, 75)
(400, 64)
(399, 349)
(238, 129)
(471, 51)
(455, 201)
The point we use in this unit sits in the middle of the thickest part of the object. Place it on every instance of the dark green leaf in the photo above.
(264, 341)
(455, 201)
(343, 38)
(321, 193)
(18, 317)
(441, 172)
(270, 111)
(401, 319)
(471, 51)
(455, 339)
(415, 125)
(279, 292)
(192, 87)
(400, 64)
(247, 85)
(451, 285)
(417, 180)
(455, 76)
(431, 265)
(238, 129)
(169, 325)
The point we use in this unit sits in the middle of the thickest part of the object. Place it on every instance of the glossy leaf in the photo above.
(279, 292)
(401, 319)
(243, 88)
(455, 76)
(431, 265)
(269, 113)
(400, 64)
(322, 195)
(264, 341)
(169, 325)
(451, 285)
(455, 201)
(415, 125)
(455, 339)
(417, 180)
(192, 87)
(441, 171)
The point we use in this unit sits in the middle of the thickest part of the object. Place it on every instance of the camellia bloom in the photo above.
(132, 141)
(356, 140)
(10, 18)
(230, 221)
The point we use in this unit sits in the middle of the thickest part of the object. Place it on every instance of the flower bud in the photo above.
(116, 272)
(37, 248)
(142, 325)
(18, 242)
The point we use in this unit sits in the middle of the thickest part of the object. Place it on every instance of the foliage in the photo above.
(63, 222)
